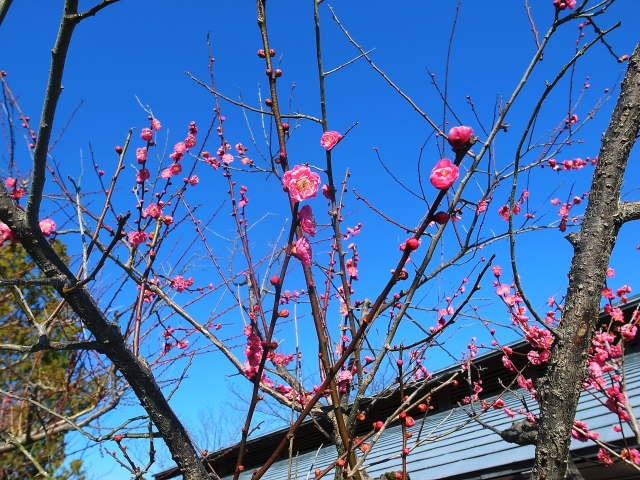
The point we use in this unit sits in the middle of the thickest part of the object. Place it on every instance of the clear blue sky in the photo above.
(144, 48)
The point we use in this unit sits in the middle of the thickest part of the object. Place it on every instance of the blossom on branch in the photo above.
(459, 137)
(301, 183)
(47, 226)
(301, 249)
(307, 221)
(330, 139)
(444, 174)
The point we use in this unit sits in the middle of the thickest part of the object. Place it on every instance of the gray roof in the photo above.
(468, 447)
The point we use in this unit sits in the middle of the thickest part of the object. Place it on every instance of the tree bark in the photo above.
(560, 388)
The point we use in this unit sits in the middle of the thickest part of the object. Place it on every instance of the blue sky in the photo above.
(144, 48)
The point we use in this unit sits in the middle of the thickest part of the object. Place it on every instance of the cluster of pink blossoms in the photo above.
(47, 226)
(15, 191)
(301, 184)
(575, 164)
(504, 210)
(539, 338)
(179, 149)
(253, 352)
(180, 284)
(562, 4)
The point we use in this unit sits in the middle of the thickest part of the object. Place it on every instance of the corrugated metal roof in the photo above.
(469, 449)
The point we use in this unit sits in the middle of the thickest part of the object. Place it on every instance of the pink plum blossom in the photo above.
(307, 221)
(180, 284)
(155, 124)
(153, 211)
(142, 175)
(47, 226)
(10, 182)
(6, 235)
(330, 139)
(136, 238)
(301, 249)
(141, 154)
(444, 174)
(190, 141)
(459, 137)
(146, 134)
(301, 183)
(194, 180)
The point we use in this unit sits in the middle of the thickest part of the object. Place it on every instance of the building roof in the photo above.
(452, 446)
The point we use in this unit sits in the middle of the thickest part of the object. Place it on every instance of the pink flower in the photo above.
(155, 124)
(227, 158)
(301, 183)
(175, 168)
(330, 139)
(136, 238)
(146, 134)
(504, 212)
(180, 284)
(193, 181)
(142, 175)
(459, 137)
(632, 455)
(141, 154)
(482, 206)
(444, 174)
(580, 436)
(497, 270)
(10, 182)
(307, 222)
(180, 147)
(628, 331)
(302, 251)
(326, 191)
(153, 211)
(190, 141)
(6, 235)
(409, 421)
(603, 457)
(498, 404)
(47, 226)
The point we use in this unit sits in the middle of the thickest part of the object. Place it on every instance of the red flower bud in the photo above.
(412, 244)
(275, 280)
(118, 438)
(285, 127)
(422, 407)
(272, 52)
(268, 102)
(268, 71)
(278, 73)
(118, 149)
(261, 53)
(378, 425)
(283, 313)
(340, 463)
(441, 218)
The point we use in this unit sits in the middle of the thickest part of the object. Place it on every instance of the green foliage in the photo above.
(59, 380)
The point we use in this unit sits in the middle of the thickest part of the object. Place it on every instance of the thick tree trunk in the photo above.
(605, 214)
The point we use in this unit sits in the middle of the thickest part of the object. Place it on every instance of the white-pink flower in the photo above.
(47, 226)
